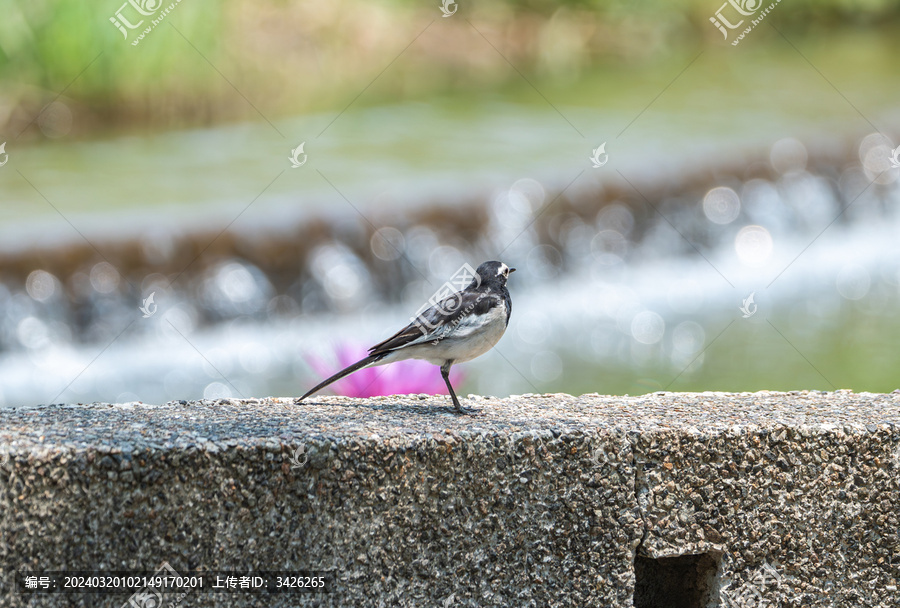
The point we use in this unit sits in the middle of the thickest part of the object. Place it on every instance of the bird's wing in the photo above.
(436, 323)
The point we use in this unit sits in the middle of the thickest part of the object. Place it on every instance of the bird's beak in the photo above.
(512, 270)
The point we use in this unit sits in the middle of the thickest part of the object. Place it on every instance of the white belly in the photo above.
(468, 340)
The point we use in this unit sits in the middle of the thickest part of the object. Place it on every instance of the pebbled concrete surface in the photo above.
(541, 500)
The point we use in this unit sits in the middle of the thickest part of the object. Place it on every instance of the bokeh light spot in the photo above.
(216, 390)
(647, 327)
(721, 205)
(688, 337)
(788, 155)
(387, 243)
(104, 277)
(40, 285)
(56, 120)
(32, 333)
(609, 247)
(753, 245)
(526, 195)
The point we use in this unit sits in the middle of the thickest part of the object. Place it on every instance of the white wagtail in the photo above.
(458, 328)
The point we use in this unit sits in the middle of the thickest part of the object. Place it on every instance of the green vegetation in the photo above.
(855, 350)
(290, 58)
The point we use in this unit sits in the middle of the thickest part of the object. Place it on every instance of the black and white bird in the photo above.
(458, 328)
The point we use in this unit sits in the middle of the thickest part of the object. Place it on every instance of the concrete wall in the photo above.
(548, 500)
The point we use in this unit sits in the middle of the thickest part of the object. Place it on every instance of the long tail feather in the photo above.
(344, 372)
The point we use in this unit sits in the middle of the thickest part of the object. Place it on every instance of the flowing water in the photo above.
(619, 290)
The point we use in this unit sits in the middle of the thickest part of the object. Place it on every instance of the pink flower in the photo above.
(400, 378)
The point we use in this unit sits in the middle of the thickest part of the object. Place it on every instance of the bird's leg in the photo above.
(445, 373)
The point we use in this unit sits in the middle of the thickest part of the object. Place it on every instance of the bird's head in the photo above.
(494, 272)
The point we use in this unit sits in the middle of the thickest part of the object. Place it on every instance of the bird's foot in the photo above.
(466, 411)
